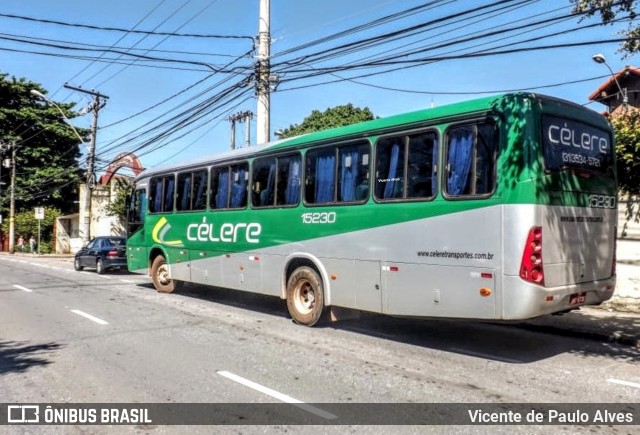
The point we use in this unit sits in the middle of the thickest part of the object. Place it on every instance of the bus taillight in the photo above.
(531, 268)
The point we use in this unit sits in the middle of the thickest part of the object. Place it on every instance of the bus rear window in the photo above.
(573, 144)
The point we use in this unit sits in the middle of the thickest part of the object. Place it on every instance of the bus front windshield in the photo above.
(570, 144)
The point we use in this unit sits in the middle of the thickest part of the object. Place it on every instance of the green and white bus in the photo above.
(498, 208)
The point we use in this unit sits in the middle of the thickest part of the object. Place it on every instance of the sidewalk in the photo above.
(626, 297)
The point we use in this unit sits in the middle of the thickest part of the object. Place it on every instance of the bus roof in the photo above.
(353, 131)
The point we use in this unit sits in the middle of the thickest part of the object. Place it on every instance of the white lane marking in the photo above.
(277, 395)
(127, 280)
(485, 355)
(87, 273)
(24, 289)
(105, 277)
(90, 317)
(626, 383)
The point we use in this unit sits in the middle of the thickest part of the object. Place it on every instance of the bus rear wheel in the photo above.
(305, 296)
(160, 276)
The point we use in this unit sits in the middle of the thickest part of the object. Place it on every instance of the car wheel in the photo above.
(76, 265)
(100, 267)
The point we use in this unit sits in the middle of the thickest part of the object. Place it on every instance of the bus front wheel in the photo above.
(160, 276)
(305, 296)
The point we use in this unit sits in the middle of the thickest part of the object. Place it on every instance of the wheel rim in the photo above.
(304, 297)
(163, 275)
(99, 266)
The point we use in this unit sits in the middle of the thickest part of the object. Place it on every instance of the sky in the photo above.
(177, 108)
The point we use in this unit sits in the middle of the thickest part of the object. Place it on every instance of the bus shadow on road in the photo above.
(20, 356)
(271, 305)
(514, 343)
(508, 342)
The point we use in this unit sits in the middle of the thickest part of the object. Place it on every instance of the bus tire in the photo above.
(160, 276)
(305, 296)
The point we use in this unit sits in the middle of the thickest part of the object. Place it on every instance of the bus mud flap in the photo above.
(339, 313)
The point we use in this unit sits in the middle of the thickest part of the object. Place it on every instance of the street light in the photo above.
(85, 228)
(599, 58)
(40, 95)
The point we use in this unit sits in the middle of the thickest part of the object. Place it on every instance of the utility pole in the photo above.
(263, 72)
(233, 120)
(246, 117)
(99, 100)
(12, 202)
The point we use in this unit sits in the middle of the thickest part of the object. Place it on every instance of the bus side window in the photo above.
(219, 187)
(169, 187)
(192, 191)
(264, 177)
(161, 192)
(199, 190)
(471, 156)
(239, 180)
(183, 201)
(353, 173)
(288, 180)
(423, 163)
(486, 158)
(155, 194)
(320, 178)
(390, 161)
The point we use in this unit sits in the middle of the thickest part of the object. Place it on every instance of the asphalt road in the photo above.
(77, 337)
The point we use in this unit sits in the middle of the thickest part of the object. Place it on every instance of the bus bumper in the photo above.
(522, 300)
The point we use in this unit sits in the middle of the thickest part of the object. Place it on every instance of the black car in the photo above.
(108, 252)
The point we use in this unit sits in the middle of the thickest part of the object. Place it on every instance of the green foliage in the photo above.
(627, 136)
(26, 225)
(609, 11)
(118, 206)
(47, 149)
(338, 116)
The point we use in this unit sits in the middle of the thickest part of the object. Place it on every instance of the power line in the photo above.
(118, 29)
(109, 50)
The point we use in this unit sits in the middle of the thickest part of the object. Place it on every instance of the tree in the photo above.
(610, 11)
(333, 117)
(627, 136)
(118, 206)
(27, 226)
(47, 149)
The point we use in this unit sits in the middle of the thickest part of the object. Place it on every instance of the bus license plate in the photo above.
(578, 298)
